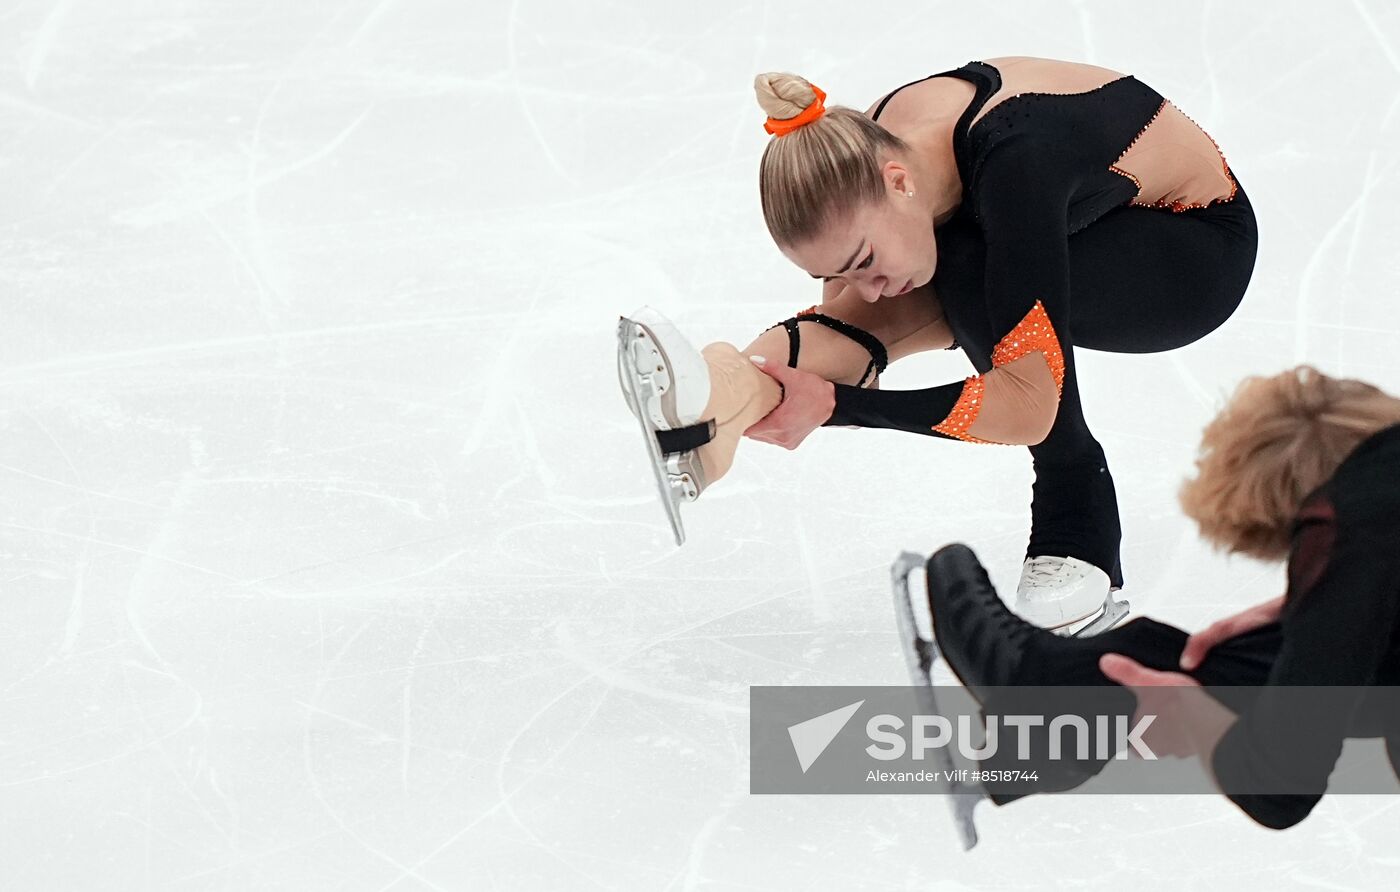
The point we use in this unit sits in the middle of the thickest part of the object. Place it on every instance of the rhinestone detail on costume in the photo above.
(1175, 206)
(1033, 333)
(964, 412)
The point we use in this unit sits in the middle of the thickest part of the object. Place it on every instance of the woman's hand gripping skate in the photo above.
(1245, 621)
(808, 401)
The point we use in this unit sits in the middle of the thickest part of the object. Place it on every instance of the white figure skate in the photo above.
(919, 654)
(666, 384)
(1060, 593)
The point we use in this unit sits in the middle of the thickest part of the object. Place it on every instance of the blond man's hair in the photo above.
(1277, 440)
(821, 170)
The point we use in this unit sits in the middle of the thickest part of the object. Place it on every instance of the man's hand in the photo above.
(1255, 617)
(1189, 721)
(808, 401)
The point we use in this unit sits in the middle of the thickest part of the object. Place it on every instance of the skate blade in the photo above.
(919, 652)
(1111, 614)
(637, 389)
(919, 655)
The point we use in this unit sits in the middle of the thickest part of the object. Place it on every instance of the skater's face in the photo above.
(884, 248)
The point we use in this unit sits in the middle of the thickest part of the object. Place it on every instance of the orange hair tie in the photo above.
(784, 126)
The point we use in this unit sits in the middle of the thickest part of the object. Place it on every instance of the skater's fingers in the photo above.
(772, 428)
(1169, 713)
(1245, 621)
(1200, 643)
(808, 401)
(775, 370)
(791, 378)
(774, 433)
(1127, 671)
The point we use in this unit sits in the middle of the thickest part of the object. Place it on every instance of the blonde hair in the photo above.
(821, 170)
(1276, 441)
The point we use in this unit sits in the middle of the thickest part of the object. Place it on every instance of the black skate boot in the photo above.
(1012, 667)
(984, 643)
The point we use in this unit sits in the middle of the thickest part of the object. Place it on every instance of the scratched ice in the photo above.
(330, 558)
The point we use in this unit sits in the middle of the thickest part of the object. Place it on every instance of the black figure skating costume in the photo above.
(1054, 246)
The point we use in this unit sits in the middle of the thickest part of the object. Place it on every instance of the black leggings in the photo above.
(1142, 280)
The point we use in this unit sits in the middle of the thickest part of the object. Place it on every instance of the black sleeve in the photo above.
(916, 411)
(1338, 621)
(1021, 202)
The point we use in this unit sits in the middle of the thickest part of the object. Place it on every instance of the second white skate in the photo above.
(1061, 593)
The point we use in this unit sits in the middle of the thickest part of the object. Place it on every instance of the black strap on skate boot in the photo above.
(879, 357)
(684, 439)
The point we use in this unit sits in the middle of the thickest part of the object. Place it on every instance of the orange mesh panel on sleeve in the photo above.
(1032, 333)
(964, 412)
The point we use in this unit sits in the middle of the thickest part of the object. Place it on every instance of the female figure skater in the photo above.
(1301, 466)
(1013, 208)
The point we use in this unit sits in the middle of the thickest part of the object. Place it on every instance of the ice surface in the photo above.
(330, 558)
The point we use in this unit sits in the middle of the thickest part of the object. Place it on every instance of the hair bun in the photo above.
(782, 95)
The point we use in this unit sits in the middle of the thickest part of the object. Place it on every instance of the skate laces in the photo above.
(1041, 574)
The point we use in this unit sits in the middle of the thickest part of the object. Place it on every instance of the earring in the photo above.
(909, 194)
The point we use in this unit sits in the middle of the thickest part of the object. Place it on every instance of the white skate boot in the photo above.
(666, 384)
(1060, 593)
